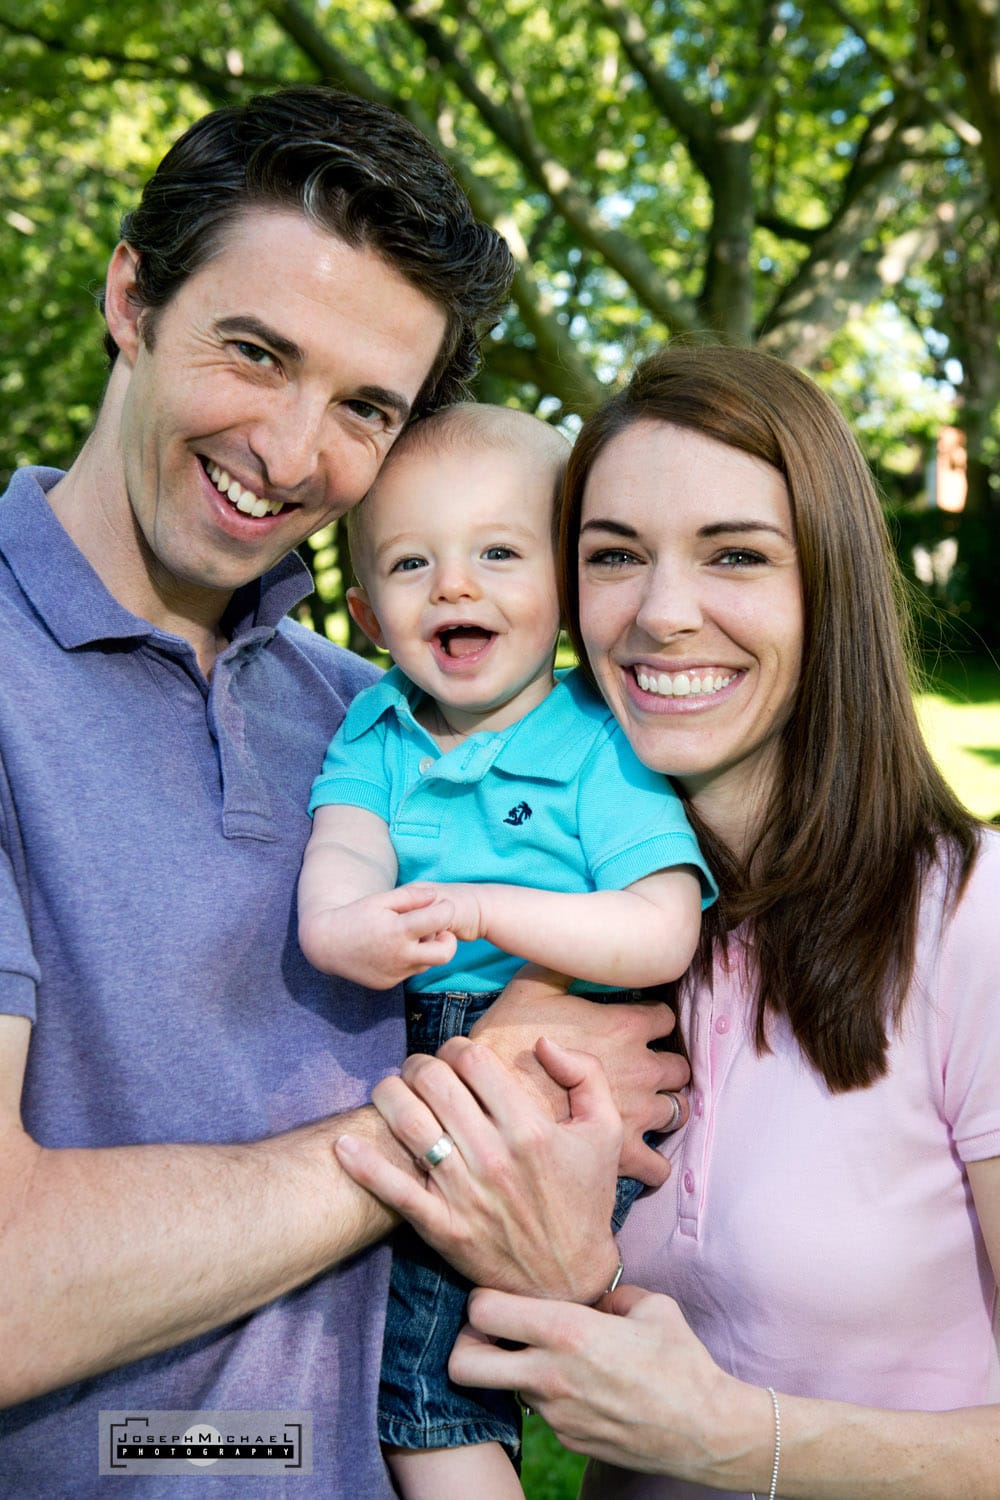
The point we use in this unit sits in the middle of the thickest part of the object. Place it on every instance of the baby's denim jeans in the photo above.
(419, 1406)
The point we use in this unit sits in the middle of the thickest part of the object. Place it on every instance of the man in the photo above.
(301, 277)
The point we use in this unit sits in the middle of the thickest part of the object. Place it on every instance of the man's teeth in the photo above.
(244, 500)
(681, 684)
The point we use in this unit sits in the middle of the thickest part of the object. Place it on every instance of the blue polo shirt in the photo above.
(152, 825)
(556, 801)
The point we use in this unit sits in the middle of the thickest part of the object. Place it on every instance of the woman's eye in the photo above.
(609, 558)
(499, 554)
(254, 353)
(407, 565)
(740, 557)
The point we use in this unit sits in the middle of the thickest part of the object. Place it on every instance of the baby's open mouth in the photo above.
(463, 640)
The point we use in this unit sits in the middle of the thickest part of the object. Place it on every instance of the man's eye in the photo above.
(254, 353)
(499, 554)
(368, 412)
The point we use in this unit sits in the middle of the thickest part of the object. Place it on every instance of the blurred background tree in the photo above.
(823, 179)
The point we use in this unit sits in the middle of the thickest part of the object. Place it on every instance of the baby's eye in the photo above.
(408, 564)
(499, 554)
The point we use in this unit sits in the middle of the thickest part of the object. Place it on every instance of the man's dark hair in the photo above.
(353, 168)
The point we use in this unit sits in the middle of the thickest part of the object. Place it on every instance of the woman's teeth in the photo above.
(244, 500)
(681, 684)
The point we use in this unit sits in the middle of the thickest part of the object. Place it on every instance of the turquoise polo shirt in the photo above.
(557, 801)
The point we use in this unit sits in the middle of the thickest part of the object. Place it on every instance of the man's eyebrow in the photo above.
(257, 331)
(246, 323)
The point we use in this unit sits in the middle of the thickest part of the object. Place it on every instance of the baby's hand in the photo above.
(466, 919)
(386, 938)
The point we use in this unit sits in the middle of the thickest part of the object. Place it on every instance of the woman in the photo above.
(819, 1274)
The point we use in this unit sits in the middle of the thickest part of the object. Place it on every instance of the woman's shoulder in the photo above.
(970, 923)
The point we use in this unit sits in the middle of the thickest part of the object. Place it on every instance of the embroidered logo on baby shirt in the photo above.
(518, 815)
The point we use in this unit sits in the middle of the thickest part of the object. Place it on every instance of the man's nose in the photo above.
(289, 441)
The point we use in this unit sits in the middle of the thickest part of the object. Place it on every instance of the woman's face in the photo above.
(691, 606)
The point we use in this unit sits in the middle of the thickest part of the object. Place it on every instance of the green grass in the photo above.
(960, 715)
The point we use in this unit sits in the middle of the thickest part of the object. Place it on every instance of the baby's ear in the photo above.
(364, 616)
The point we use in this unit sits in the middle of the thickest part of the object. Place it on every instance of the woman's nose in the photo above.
(670, 604)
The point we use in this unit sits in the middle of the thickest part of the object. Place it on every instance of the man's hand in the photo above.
(643, 1082)
(520, 1202)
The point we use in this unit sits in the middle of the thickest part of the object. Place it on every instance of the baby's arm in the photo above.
(353, 921)
(644, 935)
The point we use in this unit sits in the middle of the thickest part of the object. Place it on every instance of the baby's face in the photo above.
(460, 574)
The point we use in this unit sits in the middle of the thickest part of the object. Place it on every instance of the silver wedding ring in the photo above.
(673, 1123)
(441, 1148)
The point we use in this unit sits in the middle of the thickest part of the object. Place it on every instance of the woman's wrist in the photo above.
(739, 1441)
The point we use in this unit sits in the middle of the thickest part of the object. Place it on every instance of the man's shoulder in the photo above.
(344, 670)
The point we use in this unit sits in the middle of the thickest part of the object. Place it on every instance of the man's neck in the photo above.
(91, 503)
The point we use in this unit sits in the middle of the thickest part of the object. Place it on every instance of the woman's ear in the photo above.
(364, 616)
(123, 310)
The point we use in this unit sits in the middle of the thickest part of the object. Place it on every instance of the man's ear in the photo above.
(122, 308)
(364, 616)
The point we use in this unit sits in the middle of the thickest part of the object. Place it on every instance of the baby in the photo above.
(476, 810)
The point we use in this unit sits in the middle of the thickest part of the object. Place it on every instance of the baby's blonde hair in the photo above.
(468, 425)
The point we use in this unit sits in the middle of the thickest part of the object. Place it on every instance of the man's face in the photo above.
(260, 406)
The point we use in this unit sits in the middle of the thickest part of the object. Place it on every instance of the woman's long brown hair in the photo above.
(859, 812)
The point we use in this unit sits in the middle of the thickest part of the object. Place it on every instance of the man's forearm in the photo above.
(107, 1256)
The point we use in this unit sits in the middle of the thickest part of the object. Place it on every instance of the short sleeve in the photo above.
(967, 996)
(354, 770)
(632, 822)
(19, 971)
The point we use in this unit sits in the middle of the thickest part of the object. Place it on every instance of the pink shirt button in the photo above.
(722, 1025)
(698, 1105)
(689, 1182)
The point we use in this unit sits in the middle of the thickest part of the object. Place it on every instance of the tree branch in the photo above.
(663, 296)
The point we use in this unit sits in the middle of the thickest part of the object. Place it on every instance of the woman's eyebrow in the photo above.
(715, 528)
(740, 528)
(617, 528)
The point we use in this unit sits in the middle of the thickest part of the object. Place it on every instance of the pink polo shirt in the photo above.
(827, 1245)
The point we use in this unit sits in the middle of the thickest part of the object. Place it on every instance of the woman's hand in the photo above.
(635, 1389)
(643, 1083)
(522, 1202)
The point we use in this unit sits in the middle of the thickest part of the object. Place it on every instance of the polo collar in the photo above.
(76, 606)
(539, 747)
